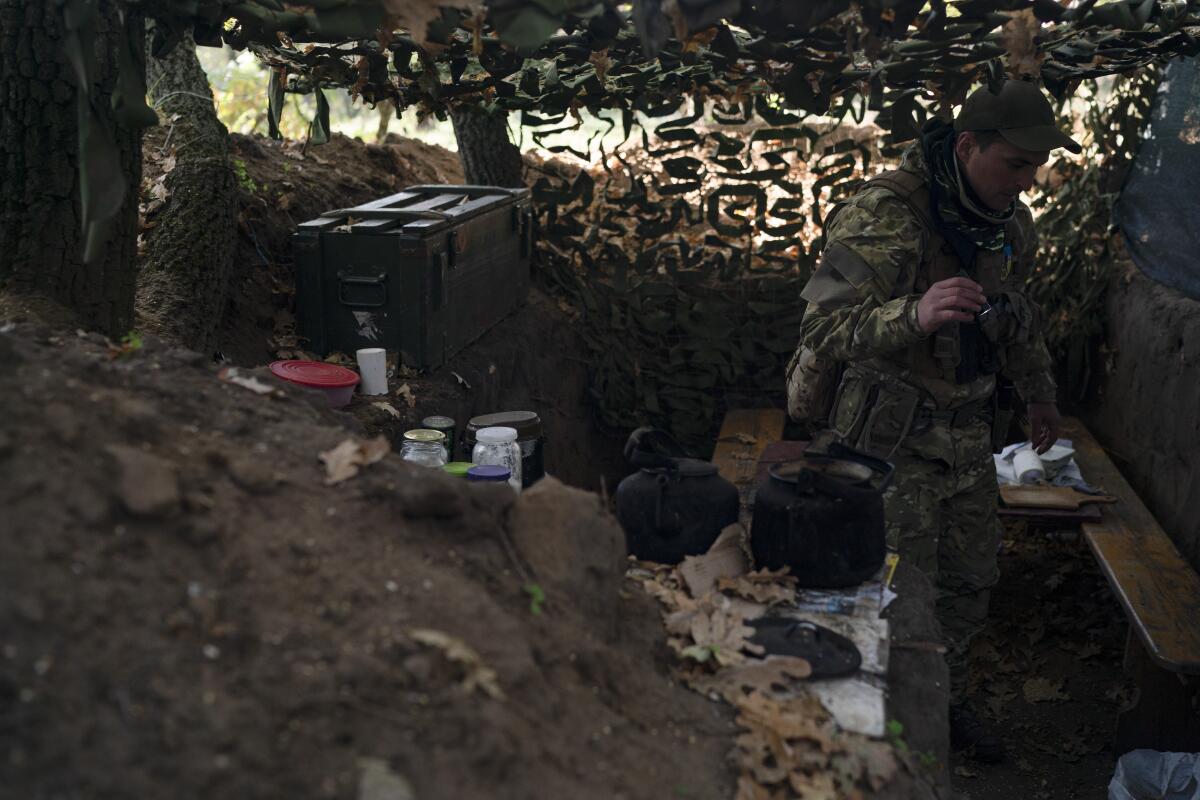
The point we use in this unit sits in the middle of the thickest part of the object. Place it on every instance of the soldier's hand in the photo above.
(1044, 425)
(951, 300)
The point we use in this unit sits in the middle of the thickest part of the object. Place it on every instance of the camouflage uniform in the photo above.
(898, 395)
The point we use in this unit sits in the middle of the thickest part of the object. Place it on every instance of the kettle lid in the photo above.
(839, 469)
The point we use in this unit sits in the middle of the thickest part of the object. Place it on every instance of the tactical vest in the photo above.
(937, 356)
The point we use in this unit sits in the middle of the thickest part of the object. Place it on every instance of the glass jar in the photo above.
(498, 447)
(446, 426)
(530, 437)
(425, 447)
(488, 473)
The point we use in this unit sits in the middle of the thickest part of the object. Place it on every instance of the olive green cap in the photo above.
(458, 468)
(1019, 112)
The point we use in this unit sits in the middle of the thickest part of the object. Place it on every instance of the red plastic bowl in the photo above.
(336, 382)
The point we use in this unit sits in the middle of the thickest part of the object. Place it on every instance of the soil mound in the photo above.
(190, 610)
(280, 185)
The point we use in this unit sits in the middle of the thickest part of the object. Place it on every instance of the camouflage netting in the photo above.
(685, 249)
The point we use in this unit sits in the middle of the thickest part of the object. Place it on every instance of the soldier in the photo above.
(918, 302)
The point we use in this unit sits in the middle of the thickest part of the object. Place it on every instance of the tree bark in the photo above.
(41, 237)
(188, 253)
(488, 157)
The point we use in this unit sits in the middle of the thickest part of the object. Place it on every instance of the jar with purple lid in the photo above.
(489, 473)
(498, 447)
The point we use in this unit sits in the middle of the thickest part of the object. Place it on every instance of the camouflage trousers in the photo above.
(941, 516)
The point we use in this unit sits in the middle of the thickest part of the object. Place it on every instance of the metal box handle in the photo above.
(378, 282)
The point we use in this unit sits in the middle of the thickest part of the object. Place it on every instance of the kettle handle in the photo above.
(886, 468)
(652, 448)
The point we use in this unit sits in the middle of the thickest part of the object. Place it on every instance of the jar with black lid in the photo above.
(530, 438)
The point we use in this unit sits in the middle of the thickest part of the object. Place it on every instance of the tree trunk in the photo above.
(386, 110)
(188, 253)
(41, 237)
(488, 157)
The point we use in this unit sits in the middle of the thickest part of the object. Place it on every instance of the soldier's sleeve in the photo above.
(855, 310)
(1028, 363)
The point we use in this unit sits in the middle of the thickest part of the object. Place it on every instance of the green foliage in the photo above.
(1075, 217)
(537, 598)
(243, 177)
(894, 730)
(700, 652)
(130, 344)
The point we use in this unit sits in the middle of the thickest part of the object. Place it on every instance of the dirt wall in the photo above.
(1147, 413)
(190, 609)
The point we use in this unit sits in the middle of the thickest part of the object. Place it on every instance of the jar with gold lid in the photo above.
(425, 447)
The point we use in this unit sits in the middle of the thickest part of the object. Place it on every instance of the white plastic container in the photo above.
(372, 365)
(498, 447)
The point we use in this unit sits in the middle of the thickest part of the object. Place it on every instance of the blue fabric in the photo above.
(1159, 207)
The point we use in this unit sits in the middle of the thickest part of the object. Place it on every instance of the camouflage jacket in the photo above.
(862, 299)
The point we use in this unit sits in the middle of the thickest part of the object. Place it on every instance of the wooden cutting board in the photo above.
(1061, 497)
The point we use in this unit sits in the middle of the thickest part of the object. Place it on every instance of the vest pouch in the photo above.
(889, 419)
(851, 404)
(812, 383)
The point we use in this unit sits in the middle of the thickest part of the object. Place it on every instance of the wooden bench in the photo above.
(744, 434)
(1160, 593)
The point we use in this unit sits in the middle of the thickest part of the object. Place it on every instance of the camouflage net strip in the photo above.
(684, 256)
(689, 300)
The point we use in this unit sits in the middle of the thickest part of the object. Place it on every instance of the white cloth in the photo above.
(1057, 474)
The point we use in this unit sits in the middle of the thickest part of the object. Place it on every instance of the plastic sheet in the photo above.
(1151, 775)
(1158, 207)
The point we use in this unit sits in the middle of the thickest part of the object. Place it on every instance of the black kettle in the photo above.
(673, 506)
(822, 517)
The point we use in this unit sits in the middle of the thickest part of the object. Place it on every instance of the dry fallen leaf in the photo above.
(387, 408)
(801, 717)
(1041, 690)
(762, 586)
(343, 462)
(1017, 37)
(716, 628)
(750, 789)
(773, 674)
(479, 676)
(159, 190)
(231, 375)
(407, 393)
(415, 15)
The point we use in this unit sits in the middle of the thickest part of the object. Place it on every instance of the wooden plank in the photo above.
(1051, 516)
(744, 434)
(1158, 589)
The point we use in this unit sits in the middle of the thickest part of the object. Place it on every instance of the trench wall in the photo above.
(1148, 414)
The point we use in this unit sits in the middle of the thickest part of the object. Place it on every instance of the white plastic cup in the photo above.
(372, 365)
